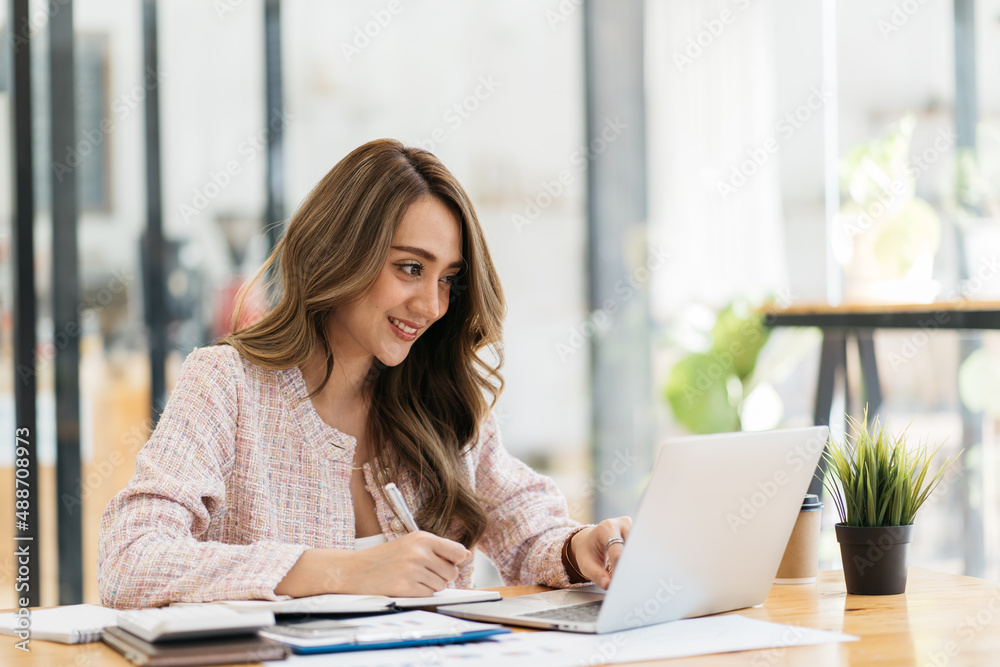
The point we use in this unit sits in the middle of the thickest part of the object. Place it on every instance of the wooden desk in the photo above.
(940, 613)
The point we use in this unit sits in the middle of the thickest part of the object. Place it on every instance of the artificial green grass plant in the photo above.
(878, 480)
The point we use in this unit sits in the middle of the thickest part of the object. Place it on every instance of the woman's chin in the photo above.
(392, 358)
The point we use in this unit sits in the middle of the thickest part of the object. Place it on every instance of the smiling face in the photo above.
(411, 292)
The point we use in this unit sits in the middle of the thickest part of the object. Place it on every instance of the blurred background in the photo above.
(648, 174)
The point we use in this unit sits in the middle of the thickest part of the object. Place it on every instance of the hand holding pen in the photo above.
(414, 565)
(417, 564)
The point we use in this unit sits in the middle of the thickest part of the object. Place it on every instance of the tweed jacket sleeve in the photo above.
(528, 517)
(152, 547)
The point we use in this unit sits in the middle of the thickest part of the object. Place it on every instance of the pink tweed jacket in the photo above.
(242, 475)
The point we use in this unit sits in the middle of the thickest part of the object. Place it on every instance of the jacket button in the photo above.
(397, 525)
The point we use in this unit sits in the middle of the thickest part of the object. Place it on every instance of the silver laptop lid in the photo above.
(712, 525)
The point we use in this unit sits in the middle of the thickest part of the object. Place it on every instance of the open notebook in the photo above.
(81, 623)
(356, 604)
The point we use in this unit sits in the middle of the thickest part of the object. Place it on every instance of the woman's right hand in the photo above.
(414, 565)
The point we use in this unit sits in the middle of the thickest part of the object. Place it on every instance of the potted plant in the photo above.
(878, 483)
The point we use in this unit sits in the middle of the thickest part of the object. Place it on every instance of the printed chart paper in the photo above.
(696, 636)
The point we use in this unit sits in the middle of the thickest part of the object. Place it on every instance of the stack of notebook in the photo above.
(193, 635)
(159, 637)
(234, 631)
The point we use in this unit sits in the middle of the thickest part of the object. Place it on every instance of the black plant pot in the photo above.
(874, 558)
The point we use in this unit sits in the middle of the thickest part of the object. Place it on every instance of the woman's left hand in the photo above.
(590, 552)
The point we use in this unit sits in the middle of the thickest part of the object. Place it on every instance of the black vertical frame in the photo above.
(65, 298)
(274, 120)
(616, 215)
(153, 246)
(26, 542)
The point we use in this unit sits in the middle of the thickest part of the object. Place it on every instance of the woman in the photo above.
(265, 474)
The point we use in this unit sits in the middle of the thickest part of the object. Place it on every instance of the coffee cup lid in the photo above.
(811, 502)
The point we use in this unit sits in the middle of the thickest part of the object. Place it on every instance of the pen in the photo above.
(399, 506)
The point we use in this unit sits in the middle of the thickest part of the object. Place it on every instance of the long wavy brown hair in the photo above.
(425, 412)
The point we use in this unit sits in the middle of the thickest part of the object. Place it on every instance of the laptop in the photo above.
(708, 537)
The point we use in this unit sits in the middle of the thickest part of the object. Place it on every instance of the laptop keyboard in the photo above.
(586, 612)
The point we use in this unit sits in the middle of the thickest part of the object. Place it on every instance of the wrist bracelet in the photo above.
(569, 561)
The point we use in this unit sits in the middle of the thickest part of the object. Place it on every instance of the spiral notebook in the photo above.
(74, 624)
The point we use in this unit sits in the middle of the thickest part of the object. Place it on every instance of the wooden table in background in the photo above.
(859, 321)
(942, 620)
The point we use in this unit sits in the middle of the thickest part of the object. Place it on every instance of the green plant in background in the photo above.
(705, 388)
(868, 170)
(879, 480)
(887, 233)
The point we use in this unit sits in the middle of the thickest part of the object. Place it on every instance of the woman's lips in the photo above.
(400, 332)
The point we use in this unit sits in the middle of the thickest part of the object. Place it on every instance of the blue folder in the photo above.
(405, 643)
(401, 630)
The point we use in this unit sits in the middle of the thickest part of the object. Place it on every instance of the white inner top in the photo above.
(368, 542)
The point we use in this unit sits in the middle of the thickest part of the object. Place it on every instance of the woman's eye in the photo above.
(449, 280)
(412, 269)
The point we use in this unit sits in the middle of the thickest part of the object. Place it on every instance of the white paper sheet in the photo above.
(696, 636)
